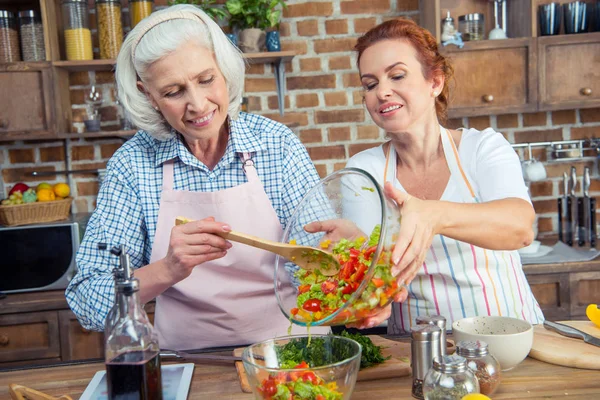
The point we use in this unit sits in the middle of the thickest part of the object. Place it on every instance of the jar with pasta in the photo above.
(32, 36)
(78, 37)
(110, 27)
(138, 10)
(9, 37)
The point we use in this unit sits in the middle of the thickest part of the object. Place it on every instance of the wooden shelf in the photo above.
(109, 64)
(28, 136)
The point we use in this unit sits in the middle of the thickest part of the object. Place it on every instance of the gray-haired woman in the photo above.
(196, 155)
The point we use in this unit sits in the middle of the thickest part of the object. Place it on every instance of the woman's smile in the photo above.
(202, 121)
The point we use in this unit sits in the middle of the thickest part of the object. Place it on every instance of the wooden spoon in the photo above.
(19, 392)
(306, 257)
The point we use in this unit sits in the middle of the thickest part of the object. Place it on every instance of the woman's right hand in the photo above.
(194, 243)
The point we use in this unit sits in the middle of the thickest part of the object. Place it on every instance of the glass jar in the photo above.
(32, 36)
(110, 27)
(449, 378)
(484, 365)
(138, 10)
(78, 37)
(472, 26)
(9, 37)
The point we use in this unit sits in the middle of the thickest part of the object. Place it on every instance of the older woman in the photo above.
(196, 155)
(465, 207)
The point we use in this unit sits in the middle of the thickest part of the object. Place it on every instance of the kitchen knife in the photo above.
(587, 203)
(568, 331)
(582, 206)
(569, 210)
(560, 218)
(200, 358)
(593, 222)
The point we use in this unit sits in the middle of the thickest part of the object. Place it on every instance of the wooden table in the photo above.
(531, 379)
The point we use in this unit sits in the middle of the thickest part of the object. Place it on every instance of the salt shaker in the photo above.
(424, 347)
(438, 321)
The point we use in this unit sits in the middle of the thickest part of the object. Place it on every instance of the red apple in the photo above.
(19, 187)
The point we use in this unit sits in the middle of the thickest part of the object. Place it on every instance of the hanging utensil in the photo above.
(581, 213)
(569, 209)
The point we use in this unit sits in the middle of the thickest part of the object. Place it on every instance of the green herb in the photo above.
(371, 354)
(210, 7)
(368, 188)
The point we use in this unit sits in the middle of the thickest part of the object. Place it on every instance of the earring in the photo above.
(435, 94)
(156, 108)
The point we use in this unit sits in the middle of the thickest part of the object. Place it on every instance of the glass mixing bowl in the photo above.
(275, 367)
(366, 229)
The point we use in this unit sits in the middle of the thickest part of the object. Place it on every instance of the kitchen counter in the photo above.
(531, 379)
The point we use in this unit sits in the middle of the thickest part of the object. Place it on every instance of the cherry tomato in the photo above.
(294, 311)
(311, 377)
(269, 387)
(313, 305)
(329, 287)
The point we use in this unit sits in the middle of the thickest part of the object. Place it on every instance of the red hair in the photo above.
(432, 62)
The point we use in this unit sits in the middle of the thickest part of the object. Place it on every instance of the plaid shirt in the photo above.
(129, 198)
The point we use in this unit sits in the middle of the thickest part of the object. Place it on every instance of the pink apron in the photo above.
(229, 301)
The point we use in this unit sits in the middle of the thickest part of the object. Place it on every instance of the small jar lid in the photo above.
(450, 364)
(108, 1)
(74, 1)
(437, 320)
(471, 17)
(471, 348)
(6, 14)
(28, 14)
(425, 333)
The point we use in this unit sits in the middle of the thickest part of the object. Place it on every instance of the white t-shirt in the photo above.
(491, 164)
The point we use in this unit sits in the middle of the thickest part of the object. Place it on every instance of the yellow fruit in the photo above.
(593, 313)
(46, 195)
(475, 396)
(43, 185)
(62, 190)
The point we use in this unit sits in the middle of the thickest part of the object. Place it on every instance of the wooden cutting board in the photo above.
(554, 348)
(397, 365)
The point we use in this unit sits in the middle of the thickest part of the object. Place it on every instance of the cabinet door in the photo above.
(585, 287)
(26, 105)
(552, 293)
(29, 336)
(78, 343)
(493, 77)
(569, 71)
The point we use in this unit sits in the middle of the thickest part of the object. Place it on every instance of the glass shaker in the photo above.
(9, 37)
(32, 36)
(78, 37)
(449, 379)
(483, 364)
(110, 27)
(471, 26)
(138, 10)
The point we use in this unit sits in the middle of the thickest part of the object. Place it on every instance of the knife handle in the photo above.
(593, 222)
(569, 224)
(564, 330)
(560, 217)
(580, 222)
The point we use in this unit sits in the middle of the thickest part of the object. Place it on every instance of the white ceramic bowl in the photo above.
(508, 339)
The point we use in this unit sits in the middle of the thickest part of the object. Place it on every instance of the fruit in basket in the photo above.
(43, 185)
(46, 195)
(13, 199)
(29, 196)
(61, 190)
(18, 188)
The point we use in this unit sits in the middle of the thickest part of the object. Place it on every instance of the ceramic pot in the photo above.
(273, 43)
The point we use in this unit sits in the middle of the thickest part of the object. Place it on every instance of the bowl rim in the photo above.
(512, 319)
(246, 352)
(376, 255)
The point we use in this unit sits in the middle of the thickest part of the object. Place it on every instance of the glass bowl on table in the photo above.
(303, 367)
(366, 229)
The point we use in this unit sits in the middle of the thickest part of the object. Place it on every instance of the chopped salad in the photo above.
(320, 296)
(301, 385)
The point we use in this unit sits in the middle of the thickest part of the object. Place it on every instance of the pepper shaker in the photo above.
(424, 347)
(440, 322)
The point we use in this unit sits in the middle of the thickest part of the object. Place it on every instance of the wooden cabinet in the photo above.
(76, 342)
(29, 336)
(569, 71)
(492, 78)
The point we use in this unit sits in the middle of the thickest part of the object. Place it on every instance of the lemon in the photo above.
(61, 190)
(46, 195)
(475, 396)
(43, 185)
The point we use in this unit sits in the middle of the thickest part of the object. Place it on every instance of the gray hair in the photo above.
(155, 37)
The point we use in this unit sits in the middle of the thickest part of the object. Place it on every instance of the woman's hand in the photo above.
(194, 243)
(335, 229)
(418, 227)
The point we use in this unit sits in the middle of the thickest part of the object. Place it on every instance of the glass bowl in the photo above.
(367, 229)
(303, 367)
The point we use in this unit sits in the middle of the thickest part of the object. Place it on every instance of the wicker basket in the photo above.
(32, 213)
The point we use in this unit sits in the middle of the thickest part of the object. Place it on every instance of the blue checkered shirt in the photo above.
(129, 198)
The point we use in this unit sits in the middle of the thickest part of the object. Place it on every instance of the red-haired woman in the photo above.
(465, 206)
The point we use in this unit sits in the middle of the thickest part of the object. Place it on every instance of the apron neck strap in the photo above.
(248, 166)
(168, 175)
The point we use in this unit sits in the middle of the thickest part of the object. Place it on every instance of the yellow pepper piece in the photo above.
(593, 313)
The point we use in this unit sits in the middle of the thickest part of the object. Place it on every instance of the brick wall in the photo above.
(323, 105)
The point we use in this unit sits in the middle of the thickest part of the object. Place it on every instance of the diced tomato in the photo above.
(320, 397)
(350, 288)
(311, 377)
(303, 364)
(369, 252)
(378, 282)
(303, 288)
(269, 387)
(360, 273)
(354, 253)
(329, 287)
(294, 311)
(312, 305)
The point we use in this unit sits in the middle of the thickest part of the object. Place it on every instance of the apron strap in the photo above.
(167, 172)
(248, 166)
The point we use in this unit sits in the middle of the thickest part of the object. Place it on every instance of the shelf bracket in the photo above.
(279, 69)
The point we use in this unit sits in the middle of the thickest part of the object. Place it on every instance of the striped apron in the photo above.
(458, 279)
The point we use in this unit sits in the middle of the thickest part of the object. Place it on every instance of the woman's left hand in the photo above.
(418, 227)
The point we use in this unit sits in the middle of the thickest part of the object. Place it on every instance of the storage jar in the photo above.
(78, 37)
(472, 26)
(449, 378)
(32, 36)
(9, 37)
(110, 27)
(483, 364)
(138, 10)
